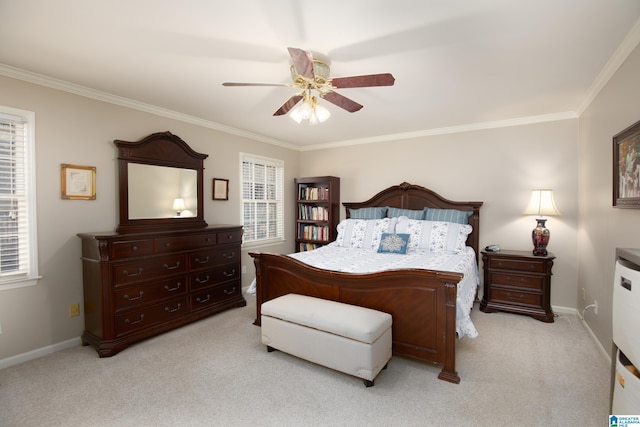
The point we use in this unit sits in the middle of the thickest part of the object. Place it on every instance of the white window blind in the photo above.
(262, 204)
(18, 262)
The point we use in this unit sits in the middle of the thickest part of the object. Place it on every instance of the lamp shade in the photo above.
(541, 204)
(178, 205)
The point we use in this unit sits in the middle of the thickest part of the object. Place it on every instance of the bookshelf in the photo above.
(317, 211)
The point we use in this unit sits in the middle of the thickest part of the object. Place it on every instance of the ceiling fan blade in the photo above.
(303, 62)
(256, 84)
(342, 101)
(287, 106)
(385, 79)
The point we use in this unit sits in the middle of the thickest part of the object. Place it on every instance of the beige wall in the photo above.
(78, 130)
(603, 227)
(498, 167)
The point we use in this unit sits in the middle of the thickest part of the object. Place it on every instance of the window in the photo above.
(18, 252)
(262, 204)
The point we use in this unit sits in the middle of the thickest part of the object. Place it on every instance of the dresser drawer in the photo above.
(214, 276)
(229, 237)
(135, 296)
(185, 243)
(516, 297)
(215, 295)
(515, 264)
(151, 315)
(207, 259)
(515, 280)
(131, 248)
(148, 269)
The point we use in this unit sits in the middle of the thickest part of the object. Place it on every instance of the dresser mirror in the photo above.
(160, 184)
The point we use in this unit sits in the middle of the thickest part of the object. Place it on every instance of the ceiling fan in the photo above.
(312, 74)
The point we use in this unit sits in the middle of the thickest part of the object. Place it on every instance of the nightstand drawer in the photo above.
(516, 297)
(528, 282)
(515, 264)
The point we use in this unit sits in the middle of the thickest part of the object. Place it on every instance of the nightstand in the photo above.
(518, 282)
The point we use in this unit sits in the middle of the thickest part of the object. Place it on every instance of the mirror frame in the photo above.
(159, 149)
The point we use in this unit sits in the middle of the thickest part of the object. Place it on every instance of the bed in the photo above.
(423, 302)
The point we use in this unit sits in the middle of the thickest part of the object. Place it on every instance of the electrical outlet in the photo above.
(595, 306)
(584, 294)
(74, 310)
(244, 269)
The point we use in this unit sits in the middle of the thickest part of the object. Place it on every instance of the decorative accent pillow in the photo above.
(394, 243)
(368, 213)
(362, 233)
(447, 215)
(436, 236)
(409, 213)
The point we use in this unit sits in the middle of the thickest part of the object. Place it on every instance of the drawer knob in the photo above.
(175, 288)
(173, 310)
(205, 280)
(512, 297)
(172, 267)
(128, 298)
(126, 273)
(201, 301)
(134, 248)
(133, 322)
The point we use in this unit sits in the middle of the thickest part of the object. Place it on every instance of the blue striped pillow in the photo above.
(368, 213)
(447, 215)
(409, 213)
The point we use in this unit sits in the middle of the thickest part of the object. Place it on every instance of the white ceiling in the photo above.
(456, 63)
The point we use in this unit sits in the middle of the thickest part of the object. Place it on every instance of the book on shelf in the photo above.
(314, 232)
(313, 193)
(307, 247)
(315, 213)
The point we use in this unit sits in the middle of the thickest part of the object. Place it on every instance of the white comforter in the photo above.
(354, 260)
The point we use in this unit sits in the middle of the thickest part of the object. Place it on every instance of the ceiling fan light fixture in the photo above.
(310, 111)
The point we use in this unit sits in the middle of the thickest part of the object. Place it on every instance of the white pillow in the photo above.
(436, 236)
(362, 233)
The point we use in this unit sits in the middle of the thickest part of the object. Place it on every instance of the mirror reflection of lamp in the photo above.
(178, 206)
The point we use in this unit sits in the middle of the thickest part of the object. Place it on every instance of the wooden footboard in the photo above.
(421, 302)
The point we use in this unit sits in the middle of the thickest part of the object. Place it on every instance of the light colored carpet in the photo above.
(519, 371)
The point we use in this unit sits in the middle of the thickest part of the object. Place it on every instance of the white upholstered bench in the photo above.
(350, 339)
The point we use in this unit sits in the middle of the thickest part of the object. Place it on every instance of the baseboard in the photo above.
(569, 310)
(34, 354)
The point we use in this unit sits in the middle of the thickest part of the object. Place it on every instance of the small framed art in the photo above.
(220, 189)
(78, 182)
(626, 168)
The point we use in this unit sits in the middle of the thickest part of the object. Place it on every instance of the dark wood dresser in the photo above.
(518, 282)
(140, 285)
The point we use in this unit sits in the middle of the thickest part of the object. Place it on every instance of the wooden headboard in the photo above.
(409, 196)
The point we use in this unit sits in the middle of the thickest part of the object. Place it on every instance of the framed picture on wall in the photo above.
(77, 182)
(220, 189)
(626, 168)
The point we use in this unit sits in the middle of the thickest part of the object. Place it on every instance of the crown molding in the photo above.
(448, 130)
(42, 80)
(617, 59)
